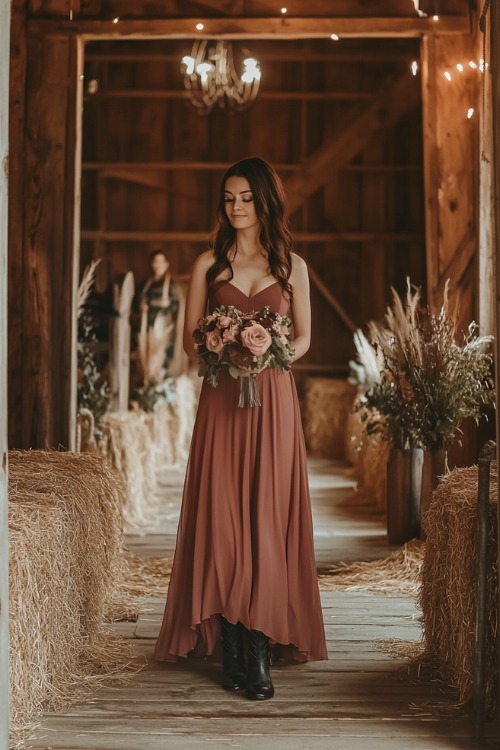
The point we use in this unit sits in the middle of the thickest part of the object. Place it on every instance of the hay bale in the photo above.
(327, 403)
(448, 597)
(66, 537)
(127, 443)
(369, 455)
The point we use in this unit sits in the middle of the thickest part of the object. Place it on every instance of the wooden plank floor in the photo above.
(360, 699)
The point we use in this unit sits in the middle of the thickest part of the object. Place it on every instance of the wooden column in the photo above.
(46, 238)
(451, 165)
(4, 544)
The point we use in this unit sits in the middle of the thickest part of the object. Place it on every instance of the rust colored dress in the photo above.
(245, 538)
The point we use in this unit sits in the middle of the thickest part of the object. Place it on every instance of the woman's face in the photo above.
(239, 203)
(159, 264)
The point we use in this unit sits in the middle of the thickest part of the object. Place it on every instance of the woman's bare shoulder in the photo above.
(204, 261)
(299, 266)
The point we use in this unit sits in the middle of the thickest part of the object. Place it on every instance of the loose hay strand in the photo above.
(397, 574)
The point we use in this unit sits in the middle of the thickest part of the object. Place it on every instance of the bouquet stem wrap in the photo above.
(249, 391)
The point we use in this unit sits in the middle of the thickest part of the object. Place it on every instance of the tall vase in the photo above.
(434, 467)
(404, 476)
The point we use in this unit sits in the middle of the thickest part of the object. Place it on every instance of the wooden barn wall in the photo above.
(44, 170)
(452, 167)
(152, 168)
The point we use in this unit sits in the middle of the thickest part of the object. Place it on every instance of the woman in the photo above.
(244, 570)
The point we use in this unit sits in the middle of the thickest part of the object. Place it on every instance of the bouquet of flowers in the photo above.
(245, 343)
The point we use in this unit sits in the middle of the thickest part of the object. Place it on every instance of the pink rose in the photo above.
(256, 339)
(214, 341)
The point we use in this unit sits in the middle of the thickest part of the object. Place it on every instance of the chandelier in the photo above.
(210, 77)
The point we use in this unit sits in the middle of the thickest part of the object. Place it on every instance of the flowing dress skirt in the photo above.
(245, 538)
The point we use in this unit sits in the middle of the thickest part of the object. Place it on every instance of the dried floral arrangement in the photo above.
(431, 377)
(152, 342)
(93, 389)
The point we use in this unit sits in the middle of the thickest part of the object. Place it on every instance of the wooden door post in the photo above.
(4, 546)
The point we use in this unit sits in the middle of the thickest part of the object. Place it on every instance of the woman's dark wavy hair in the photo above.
(275, 236)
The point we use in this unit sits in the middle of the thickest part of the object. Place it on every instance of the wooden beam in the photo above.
(431, 176)
(249, 8)
(4, 516)
(250, 28)
(17, 207)
(50, 236)
(382, 55)
(392, 101)
(331, 299)
(110, 235)
(266, 95)
(221, 166)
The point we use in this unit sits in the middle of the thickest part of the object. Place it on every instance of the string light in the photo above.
(435, 18)
(284, 10)
(481, 65)
(335, 37)
(472, 64)
(414, 67)
(470, 112)
(199, 27)
(447, 75)
(460, 67)
(115, 20)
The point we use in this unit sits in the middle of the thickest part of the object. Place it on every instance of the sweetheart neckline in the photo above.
(248, 296)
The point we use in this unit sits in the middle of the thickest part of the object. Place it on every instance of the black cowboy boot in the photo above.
(259, 683)
(233, 666)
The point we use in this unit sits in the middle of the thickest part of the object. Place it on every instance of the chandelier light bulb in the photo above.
(460, 67)
(335, 37)
(284, 10)
(447, 75)
(203, 69)
(414, 67)
(435, 18)
(472, 64)
(470, 112)
(199, 27)
(189, 63)
(252, 70)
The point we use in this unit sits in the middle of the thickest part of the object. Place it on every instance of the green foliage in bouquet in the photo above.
(431, 378)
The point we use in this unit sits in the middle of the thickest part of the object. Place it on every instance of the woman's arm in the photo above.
(196, 301)
(301, 306)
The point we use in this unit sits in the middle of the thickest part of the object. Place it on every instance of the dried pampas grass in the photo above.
(327, 403)
(396, 575)
(86, 285)
(65, 536)
(448, 598)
